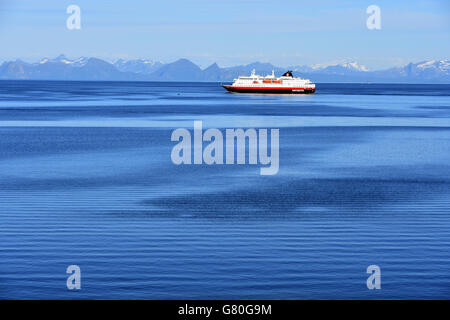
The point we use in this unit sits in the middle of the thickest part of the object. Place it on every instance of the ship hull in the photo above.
(270, 90)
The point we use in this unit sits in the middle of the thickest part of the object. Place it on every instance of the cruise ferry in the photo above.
(287, 83)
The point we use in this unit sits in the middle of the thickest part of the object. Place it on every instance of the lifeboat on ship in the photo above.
(287, 83)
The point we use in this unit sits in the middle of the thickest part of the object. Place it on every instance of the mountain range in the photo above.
(94, 69)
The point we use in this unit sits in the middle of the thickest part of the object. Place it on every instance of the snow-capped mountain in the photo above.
(332, 68)
(421, 71)
(441, 65)
(143, 66)
(62, 68)
(83, 68)
(348, 66)
(429, 68)
(79, 62)
(354, 66)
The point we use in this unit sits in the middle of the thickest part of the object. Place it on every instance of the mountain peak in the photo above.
(214, 66)
(182, 69)
(443, 65)
(258, 64)
(350, 65)
(61, 57)
(355, 66)
(183, 61)
(141, 66)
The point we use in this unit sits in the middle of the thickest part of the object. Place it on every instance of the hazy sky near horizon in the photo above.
(283, 32)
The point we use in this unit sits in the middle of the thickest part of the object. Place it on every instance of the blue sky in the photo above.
(284, 32)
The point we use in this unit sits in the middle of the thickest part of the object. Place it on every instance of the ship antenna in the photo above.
(253, 72)
(273, 73)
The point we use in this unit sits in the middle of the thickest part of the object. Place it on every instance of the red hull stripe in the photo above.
(268, 88)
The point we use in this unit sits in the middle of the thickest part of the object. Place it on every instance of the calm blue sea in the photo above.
(86, 179)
